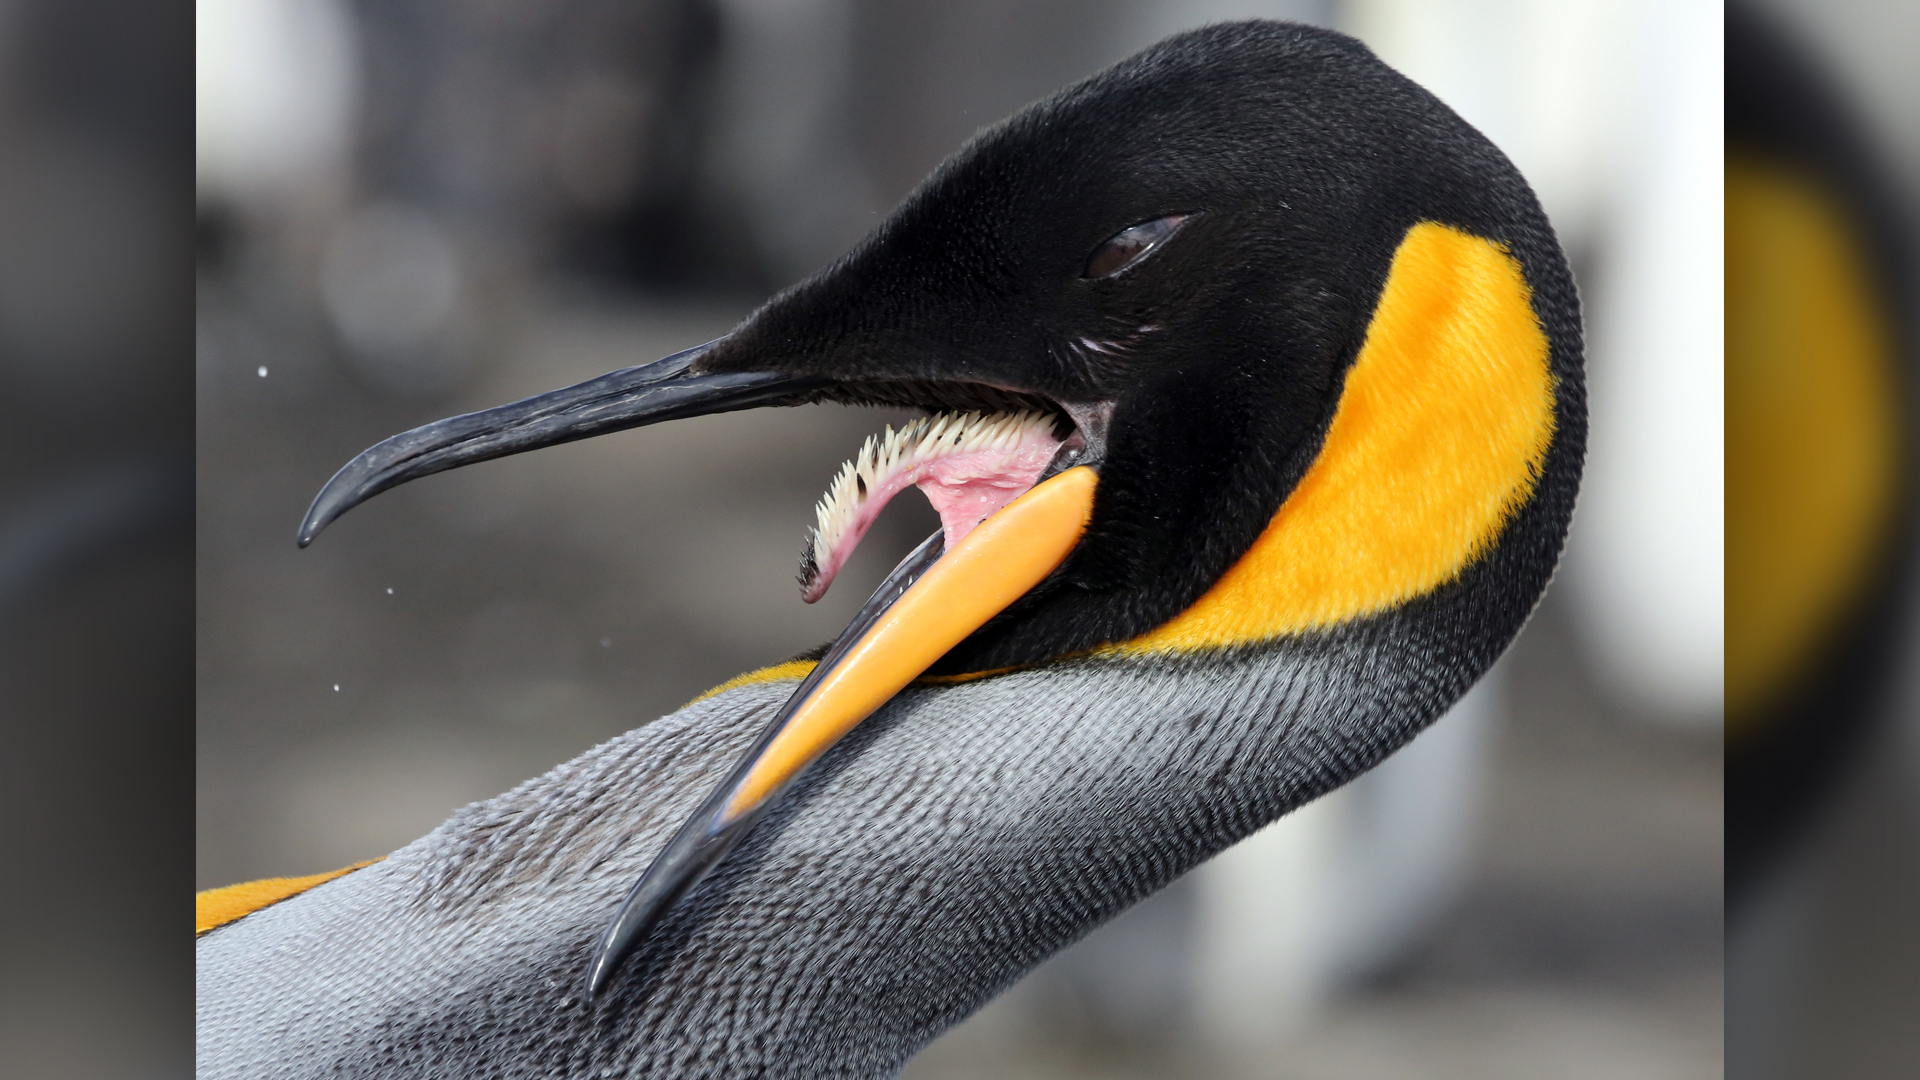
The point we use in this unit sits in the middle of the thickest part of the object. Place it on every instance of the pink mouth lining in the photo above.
(969, 467)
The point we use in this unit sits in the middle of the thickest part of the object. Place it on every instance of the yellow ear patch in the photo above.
(218, 907)
(1439, 437)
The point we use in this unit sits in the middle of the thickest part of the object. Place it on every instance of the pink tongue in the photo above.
(965, 490)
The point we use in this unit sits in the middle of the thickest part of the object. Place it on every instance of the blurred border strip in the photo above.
(72, 524)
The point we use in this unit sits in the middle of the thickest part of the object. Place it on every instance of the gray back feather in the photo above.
(955, 840)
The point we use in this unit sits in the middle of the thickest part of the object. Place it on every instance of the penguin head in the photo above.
(1312, 330)
(1180, 259)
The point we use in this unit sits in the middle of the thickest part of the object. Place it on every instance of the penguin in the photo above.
(1254, 413)
(1821, 356)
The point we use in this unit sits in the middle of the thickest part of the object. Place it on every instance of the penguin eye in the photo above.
(1129, 246)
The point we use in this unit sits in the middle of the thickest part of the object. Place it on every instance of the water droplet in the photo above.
(389, 590)
(263, 371)
(336, 688)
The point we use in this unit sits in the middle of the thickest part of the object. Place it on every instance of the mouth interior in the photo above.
(968, 464)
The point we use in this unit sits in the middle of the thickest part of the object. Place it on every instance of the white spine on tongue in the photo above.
(969, 464)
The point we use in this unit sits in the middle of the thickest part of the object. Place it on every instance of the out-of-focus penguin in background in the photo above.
(1820, 375)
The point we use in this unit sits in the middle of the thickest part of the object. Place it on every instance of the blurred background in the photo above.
(96, 536)
(1822, 687)
(410, 208)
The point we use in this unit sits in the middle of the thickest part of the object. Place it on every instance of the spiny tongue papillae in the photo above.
(968, 464)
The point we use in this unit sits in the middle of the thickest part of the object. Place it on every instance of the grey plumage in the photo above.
(943, 849)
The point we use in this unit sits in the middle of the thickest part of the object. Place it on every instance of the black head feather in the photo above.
(1299, 161)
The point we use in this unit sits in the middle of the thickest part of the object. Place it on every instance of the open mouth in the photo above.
(968, 464)
(1012, 475)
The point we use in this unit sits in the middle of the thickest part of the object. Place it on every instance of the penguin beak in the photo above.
(629, 398)
(931, 602)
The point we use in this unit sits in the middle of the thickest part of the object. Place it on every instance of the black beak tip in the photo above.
(319, 515)
(609, 957)
(611, 954)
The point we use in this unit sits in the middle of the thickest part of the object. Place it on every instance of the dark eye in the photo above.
(1129, 246)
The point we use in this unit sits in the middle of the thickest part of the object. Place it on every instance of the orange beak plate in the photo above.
(931, 603)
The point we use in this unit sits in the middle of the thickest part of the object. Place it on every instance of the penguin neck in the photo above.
(970, 831)
(1438, 433)
(954, 841)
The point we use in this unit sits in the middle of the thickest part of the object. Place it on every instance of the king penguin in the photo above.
(1254, 416)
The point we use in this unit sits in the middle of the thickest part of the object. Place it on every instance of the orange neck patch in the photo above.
(1440, 435)
(785, 671)
(218, 907)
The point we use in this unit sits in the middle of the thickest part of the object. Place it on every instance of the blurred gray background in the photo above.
(412, 208)
(96, 542)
